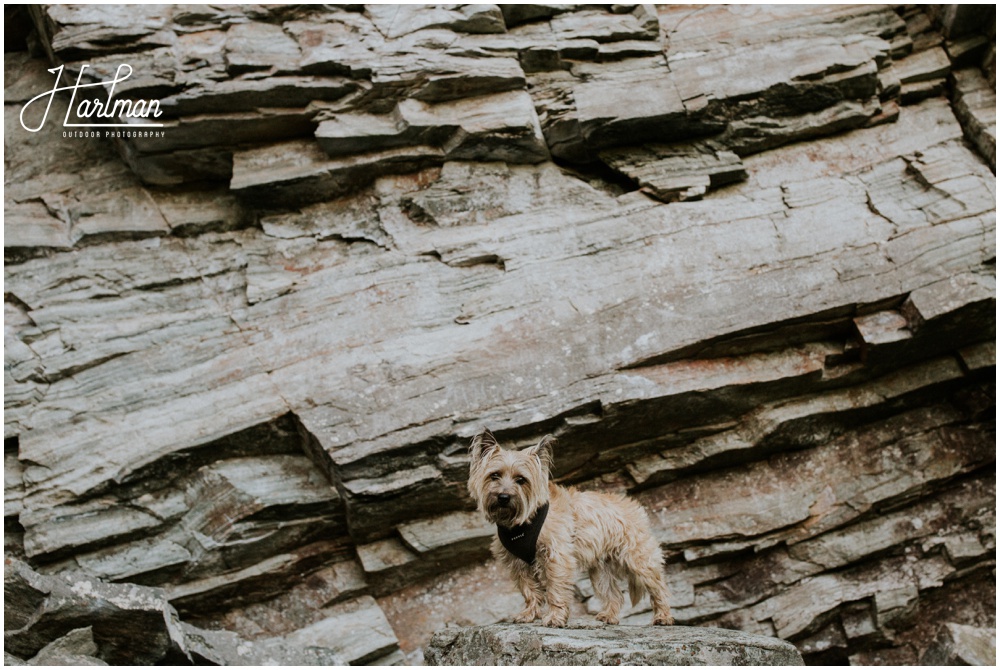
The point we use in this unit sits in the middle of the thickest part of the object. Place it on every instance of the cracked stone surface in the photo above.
(740, 261)
(520, 644)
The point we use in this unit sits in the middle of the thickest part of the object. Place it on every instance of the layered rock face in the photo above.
(740, 261)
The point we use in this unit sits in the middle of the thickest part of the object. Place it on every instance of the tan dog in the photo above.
(546, 532)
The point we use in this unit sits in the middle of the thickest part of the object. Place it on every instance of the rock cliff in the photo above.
(740, 261)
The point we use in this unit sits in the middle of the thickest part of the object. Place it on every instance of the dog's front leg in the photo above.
(531, 589)
(559, 572)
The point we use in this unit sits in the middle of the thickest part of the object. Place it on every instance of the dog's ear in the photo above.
(483, 445)
(543, 451)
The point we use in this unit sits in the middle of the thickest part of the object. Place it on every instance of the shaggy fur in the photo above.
(605, 534)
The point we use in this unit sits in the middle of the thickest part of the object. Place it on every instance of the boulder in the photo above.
(520, 644)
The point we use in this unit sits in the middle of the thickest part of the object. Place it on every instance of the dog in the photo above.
(546, 532)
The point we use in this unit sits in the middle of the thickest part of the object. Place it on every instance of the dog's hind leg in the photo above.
(606, 588)
(645, 574)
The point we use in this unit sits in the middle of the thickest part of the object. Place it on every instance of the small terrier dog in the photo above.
(545, 532)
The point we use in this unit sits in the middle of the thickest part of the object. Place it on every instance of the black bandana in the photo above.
(521, 540)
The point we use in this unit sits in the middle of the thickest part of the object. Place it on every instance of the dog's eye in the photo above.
(520, 481)
(495, 476)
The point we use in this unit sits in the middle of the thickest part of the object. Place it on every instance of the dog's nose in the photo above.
(503, 498)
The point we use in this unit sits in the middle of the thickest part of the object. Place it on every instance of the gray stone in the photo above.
(221, 647)
(344, 45)
(76, 647)
(235, 498)
(671, 173)
(810, 419)
(704, 89)
(499, 127)
(194, 213)
(973, 292)
(13, 485)
(383, 555)
(79, 32)
(796, 513)
(958, 644)
(254, 47)
(766, 23)
(10, 659)
(433, 76)
(357, 630)
(975, 107)
(131, 624)
(915, 92)
(880, 329)
(398, 20)
(243, 361)
(270, 577)
(520, 644)
(465, 529)
(923, 66)
(295, 606)
(467, 130)
(247, 95)
(603, 26)
(923, 520)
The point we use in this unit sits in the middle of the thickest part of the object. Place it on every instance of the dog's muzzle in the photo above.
(502, 508)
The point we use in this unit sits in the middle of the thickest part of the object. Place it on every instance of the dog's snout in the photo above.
(503, 498)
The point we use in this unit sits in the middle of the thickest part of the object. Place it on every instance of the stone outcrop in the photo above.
(740, 261)
(131, 624)
(519, 644)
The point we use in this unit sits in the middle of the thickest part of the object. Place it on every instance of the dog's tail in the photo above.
(636, 590)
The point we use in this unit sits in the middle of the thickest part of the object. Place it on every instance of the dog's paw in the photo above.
(556, 619)
(663, 620)
(526, 616)
(607, 618)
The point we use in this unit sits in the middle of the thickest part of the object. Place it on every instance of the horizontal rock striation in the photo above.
(740, 261)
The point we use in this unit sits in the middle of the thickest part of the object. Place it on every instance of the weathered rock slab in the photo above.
(958, 644)
(76, 647)
(975, 101)
(130, 624)
(738, 259)
(519, 644)
(74, 619)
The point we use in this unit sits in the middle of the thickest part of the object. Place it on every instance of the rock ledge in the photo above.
(592, 644)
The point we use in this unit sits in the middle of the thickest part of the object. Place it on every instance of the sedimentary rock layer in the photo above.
(243, 360)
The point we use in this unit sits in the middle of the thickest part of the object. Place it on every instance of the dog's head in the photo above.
(509, 486)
